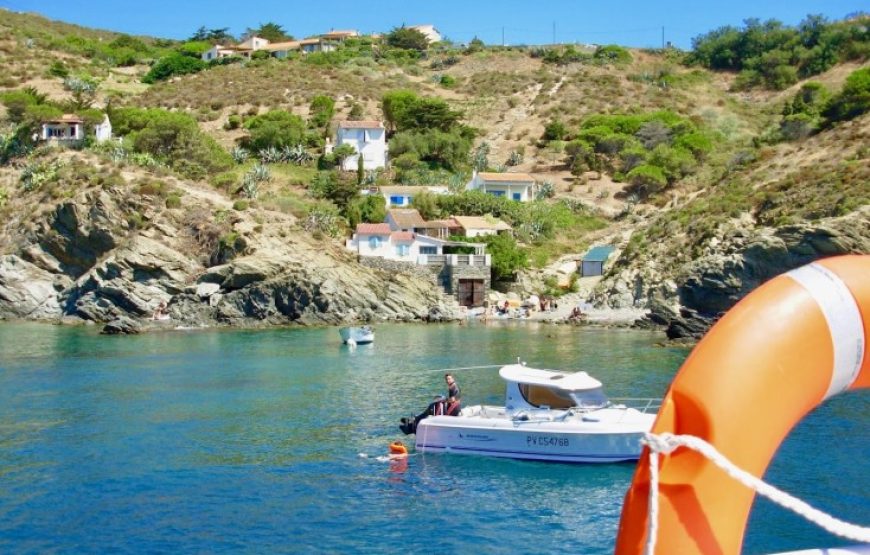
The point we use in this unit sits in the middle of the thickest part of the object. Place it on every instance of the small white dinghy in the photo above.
(357, 335)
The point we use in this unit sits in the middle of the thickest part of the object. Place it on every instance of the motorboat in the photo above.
(357, 335)
(547, 415)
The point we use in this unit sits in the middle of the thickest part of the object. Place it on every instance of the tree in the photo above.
(356, 112)
(394, 104)
(270, 31)
(407, 39)
(368, 209)
(507, 256)
(342, 152)
(426, 204)
(322, 109)
(276, 128)
(554, 131)
(360, 169)
(212, 35)
(83, 91)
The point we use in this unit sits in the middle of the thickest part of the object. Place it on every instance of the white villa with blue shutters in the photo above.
(515, 186)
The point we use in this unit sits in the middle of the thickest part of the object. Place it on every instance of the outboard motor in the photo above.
(437, 407)
(408, 425)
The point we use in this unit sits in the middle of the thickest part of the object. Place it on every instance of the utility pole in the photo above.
(502, 36)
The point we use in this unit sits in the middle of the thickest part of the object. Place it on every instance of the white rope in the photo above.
(666, 443)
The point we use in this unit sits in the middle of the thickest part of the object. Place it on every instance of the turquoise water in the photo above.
(267, 441)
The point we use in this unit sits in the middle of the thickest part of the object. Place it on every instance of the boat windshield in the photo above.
(541, 396)
(590, 398)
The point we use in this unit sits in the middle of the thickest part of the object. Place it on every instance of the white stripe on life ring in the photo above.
(844, 321)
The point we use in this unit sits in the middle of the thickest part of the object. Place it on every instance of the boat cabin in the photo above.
(530, 388)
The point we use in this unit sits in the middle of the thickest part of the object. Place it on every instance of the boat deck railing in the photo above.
(641, 404)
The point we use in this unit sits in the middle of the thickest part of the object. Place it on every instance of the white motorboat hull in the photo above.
(570, 440)
(359, 335)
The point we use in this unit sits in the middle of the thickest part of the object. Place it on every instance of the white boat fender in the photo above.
(350, 342)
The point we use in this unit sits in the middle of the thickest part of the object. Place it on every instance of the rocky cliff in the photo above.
(85, 258)
(686, 299)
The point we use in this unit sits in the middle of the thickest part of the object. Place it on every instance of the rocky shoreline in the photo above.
(85, 259)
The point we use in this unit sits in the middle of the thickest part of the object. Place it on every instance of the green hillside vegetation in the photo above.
(664, 146)
(776, 56)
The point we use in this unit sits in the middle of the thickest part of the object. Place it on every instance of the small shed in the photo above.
(593, 261)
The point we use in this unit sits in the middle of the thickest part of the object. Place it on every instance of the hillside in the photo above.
(682, 168)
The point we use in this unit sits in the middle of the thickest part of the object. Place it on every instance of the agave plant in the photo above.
(270, 155)
(514, 159)
(260, 173)
(118, 155)
(240, 155)
(480, 159)
(249, 186)
(545, 190)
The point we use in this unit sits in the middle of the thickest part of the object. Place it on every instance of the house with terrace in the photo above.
(478, 226)
(68, 129)
(515, 186)
(461, 269)
(218, 51)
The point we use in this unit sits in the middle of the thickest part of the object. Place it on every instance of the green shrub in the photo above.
(647, 179)
(276, 128)
(240, 205)
(613, 54)
(173, 201)
(853, 100)
(234, 121)
(322, 109)
(172, 65)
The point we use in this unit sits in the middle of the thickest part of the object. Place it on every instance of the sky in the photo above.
(634, 23)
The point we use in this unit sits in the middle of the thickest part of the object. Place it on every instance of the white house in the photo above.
(218, 51)
(476, 226)
(432, 34)
(402, 195)
(378, 240)
(103, 131)
(67, 129)
(368, 138)
(316, 45)
(254, 43)
(340, 34)
(515, 186)
(282, 49)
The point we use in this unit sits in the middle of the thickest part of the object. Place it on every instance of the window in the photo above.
(374, 242)
(403, 250)
(517, 196)
(397, 199)
(428, 250)
(496, 193)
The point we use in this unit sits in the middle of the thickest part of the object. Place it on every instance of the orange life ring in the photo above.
(789, 345)
(398, 448)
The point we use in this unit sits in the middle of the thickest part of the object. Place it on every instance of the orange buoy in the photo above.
(789, 345)
(398, 448)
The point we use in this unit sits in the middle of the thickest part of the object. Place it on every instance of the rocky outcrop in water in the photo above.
(84, 260)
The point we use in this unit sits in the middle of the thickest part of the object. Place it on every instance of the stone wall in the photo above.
(429, 273)
(447, 277)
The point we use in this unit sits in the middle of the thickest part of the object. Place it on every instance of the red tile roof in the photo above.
(402, 237)
(373, 229)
